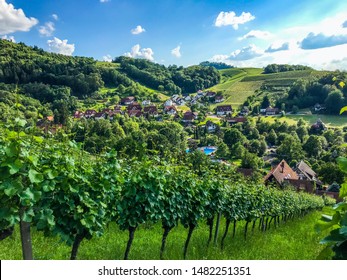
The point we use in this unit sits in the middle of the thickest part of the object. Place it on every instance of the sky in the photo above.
(243, 33)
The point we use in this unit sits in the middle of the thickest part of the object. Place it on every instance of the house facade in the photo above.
(224, 110)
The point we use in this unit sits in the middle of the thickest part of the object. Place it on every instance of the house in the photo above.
(318, 107)
(170, 110)
(306, 173)
(188, 98)
(118, 109)
(134, 106)
(224, 110)
(146, 102)
(107, 111)
(78, 115)
(235, 120)
(211, 126)
(263, 111)
(280, 173)
(302, 185)
(99, 116)
(180, 101)
(210, 94)
(127, 100)
(189, 117)
(135, 113)
(168, 102)
(90, 113)
(271, 111)
(219, 99)
(244, 111)
(318, 126)
(332, 191)
(150, 111)
(47, 125)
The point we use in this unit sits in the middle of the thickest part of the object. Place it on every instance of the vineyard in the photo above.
(56, 187)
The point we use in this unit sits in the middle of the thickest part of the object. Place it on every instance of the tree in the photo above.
(313, 146)
(233, 136)
(250, 160)
(334, 102)
(222, 151)
(265, 102)
(290, 149)
(330, 173)
(302, 132)
(271, 138)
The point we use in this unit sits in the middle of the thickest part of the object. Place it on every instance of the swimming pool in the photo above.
(207, 150)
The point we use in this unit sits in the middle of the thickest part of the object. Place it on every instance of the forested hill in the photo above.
(172, 79)
(82, 76)
(22, 64)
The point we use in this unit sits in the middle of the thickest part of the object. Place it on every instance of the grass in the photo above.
(329, 120)
(294, 240)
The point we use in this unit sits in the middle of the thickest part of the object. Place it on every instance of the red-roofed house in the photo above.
(127, 100)
(236, 120)
(89, 113)
(78, 115)
(170, 110)
(151, 111)
(280, 173)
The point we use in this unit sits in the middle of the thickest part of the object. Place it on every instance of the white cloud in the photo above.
(317, 41)
(339, 64)
(138, 30)
(55, 17)
(278, 46)
(137, 52)
(246, 53)
(230, 18)
(47, 29)
(60, 46)
(12, 20)
(176, 52)
(256, 34)
(219, 58)
(107, 58)
(104, 1)
(8, 38)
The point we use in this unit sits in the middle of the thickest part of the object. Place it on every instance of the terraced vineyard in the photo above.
(237, 84)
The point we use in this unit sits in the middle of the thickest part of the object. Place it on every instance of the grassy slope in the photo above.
(239, 83)
(292, 240)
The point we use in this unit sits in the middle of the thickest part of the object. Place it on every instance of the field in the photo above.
(293, 240)
(329, 120)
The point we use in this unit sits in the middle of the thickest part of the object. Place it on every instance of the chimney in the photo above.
(282, 166)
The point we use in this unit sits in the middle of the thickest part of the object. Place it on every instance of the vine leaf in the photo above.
(343, 109)
(35, 177)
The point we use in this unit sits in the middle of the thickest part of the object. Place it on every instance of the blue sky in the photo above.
(186, 32)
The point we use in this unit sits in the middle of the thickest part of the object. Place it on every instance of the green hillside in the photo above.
(237, 84)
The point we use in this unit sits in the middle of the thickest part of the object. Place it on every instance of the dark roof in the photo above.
(306, 170)
(237, 120)
(245, 171)
(224, 108)
(270, 109)
(150, 109)
(134, 107)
